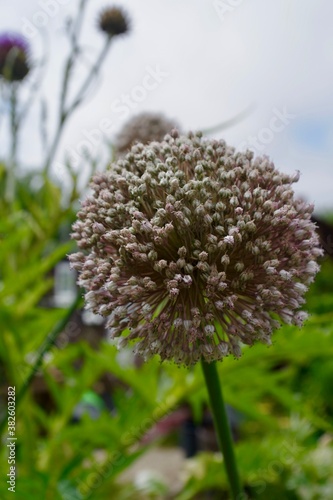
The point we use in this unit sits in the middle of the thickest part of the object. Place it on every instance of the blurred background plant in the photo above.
(93, 422)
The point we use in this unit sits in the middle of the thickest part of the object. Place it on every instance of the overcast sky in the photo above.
(207, 61)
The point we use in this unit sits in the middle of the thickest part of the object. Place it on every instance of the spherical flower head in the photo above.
(14, 64)
(143, 128)
(113, 21)
(192, 249)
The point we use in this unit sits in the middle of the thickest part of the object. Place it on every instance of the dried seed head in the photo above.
(113, 21)
(192, 276)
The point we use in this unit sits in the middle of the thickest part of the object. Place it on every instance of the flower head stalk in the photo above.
(193, 249)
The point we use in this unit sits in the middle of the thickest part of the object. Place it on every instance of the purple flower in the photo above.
(14, 50)
(191, 249)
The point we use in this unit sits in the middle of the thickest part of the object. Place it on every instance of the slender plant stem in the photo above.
(44, 348)
(93, 73)
(69, 66)
(65, 113)
(222, 426)
(231, 122)
(47, 344)
(14, 125)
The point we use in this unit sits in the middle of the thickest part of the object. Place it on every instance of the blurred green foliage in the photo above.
(283, 392)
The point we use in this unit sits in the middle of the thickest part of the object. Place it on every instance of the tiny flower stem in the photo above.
(222, 426)
(45, 347)
(47, 344)
(14, 126)
(66, 111)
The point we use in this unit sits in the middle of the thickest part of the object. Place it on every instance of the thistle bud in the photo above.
(14, 57)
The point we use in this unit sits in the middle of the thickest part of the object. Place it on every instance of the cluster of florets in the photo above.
(191, 249)
(113, 21)
(14, 55)
(143, 128)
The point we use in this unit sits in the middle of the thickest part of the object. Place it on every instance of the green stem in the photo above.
(47, 344)
(222, 426)
(14, 125)
(45, 347)
(65, 113)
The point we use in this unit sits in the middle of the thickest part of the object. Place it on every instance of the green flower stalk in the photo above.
(14, 68)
